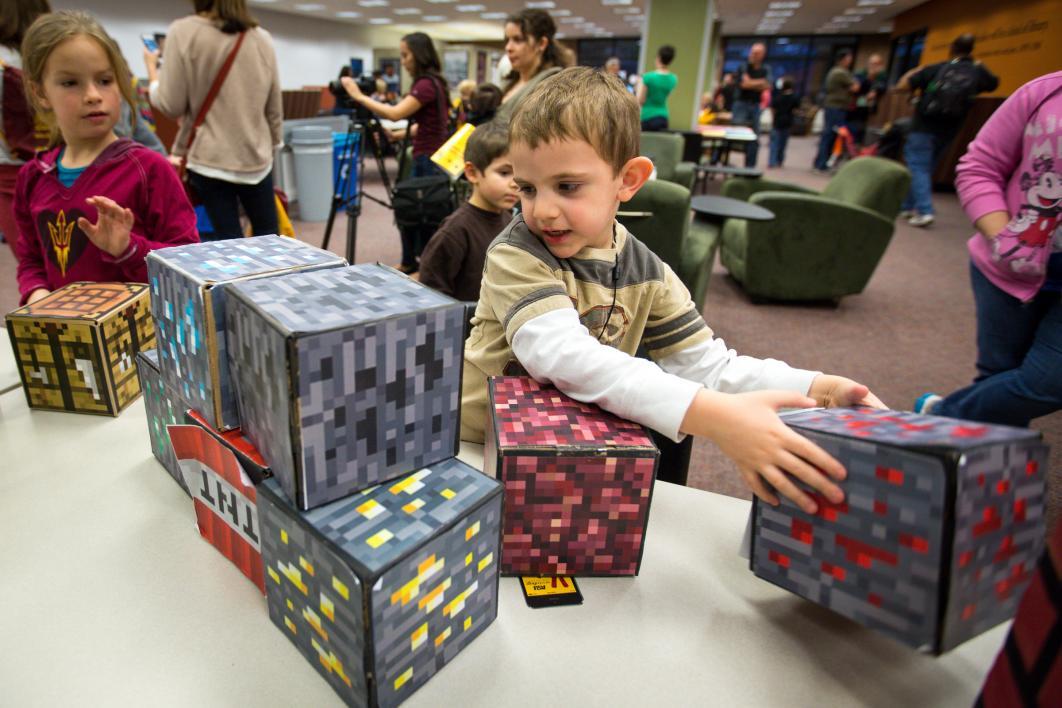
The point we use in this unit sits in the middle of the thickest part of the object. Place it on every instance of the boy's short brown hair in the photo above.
(580, 103)
(487, 143)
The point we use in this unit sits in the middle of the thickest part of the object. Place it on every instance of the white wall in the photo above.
(309, 51)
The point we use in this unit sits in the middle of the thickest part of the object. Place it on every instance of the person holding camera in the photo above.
(427, 102)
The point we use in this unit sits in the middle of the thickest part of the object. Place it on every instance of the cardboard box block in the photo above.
(939, 532)
(381, 589)
(578, 482)
(76, 348)
(163, 409)
(346, 377)
(188, 285)
(220, 471)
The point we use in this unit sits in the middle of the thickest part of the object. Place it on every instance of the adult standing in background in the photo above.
(16, 117)
(427, 103)
(872, 86)
(654, 89)
(230, 162)
(533, 53)
(755, 78)
(839, 87)
(947, 90)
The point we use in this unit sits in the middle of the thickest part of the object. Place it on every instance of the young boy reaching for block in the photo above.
(568, 295)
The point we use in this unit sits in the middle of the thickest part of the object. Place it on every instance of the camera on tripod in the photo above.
(367, 84)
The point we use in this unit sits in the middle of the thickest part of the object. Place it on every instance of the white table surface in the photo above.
(9, 378)
(108, 596)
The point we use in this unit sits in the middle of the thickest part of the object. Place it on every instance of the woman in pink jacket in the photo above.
(1010, 184)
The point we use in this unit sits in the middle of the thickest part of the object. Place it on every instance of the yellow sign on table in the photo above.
(451, 156)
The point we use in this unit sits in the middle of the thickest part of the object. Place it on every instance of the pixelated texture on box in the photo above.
(76, 348)
(163, 409)
(346, 377)
(188, 286)
(936, 510)
(226, 506)
(415, 559)
(578, 482)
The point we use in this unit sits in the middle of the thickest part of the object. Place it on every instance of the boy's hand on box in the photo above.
(836, 391)
(747, 428)
(111, 231)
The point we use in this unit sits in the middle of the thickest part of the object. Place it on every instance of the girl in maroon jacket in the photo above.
(93, 205)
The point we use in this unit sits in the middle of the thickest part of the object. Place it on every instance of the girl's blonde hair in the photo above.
(47, 33)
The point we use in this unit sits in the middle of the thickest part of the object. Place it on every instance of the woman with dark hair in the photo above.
(230, 161)
(654, 88)
(427, 102)
(17, 140)
(533, 53)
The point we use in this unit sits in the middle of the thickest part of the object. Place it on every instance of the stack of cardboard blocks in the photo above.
(76, 348)
(939, 532)
(339, 494)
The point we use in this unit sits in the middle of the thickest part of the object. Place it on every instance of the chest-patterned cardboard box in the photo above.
(938, 534)
(76, 348)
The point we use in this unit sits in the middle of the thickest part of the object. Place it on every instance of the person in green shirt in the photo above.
(840, 86)
(654, 89)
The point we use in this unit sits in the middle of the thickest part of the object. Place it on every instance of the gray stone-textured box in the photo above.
(346, 377)
(163, 408)
(188, 294)
(938, 534)
(381, 589)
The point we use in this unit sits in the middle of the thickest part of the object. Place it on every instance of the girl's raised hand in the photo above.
(111, 231)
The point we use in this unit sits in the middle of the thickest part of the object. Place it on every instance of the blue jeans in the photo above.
(1019, 356)
(424, 167)
(919, 152)
(747, 113)
(654, 124)
(832, 118)
(779, 139)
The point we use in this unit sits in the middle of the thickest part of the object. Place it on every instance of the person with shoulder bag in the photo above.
(221, 80)
(422, 202)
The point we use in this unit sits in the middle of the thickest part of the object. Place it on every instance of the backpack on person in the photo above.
(949, 94)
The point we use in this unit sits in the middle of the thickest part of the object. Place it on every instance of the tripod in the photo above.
(360, 137)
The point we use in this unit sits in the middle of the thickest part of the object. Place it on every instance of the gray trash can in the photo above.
(312, 148)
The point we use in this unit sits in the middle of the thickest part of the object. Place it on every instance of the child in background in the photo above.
(452, 262)
(782, 106)
(93, 205)
(485, 101)
(569, 296)
(461, 105)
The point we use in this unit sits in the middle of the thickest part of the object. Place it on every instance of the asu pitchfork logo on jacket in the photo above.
(61, 234)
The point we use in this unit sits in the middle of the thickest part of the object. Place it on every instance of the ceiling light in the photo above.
(494, 15)
(441, 2)
(874, 3)
(379, 20)
(778, 13)
(542, 5)
(627, 11)
(406, 10)
(373, 3)
(616, 2)
(470, 8)
(263, 2)
(860, 11)
(434, 18)
(348, 14)
(784, 5)
(573, 20)
(561, 13)
(309, 7)
(842, 19)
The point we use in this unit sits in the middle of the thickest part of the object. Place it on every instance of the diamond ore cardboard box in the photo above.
(76, 348)
(938, 534)
(381, 589)
(578, 481)
(163, 408)
(188, 295)
(346, 377)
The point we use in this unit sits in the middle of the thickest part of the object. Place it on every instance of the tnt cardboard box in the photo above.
(164, 408)
(220, 471)
(939, 532)
(76, 348)
(381, 589)
(346, 377)
(188, 288)
(578, 482)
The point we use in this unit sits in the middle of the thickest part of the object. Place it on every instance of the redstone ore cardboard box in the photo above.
(939, 532)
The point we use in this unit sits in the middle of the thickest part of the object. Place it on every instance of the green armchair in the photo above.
(820, 246)
(665, 150)
(659, 216)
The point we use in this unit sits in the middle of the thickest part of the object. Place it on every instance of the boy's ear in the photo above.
(472, 173)
(633, 175)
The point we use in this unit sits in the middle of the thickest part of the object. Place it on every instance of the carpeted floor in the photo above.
(911, 331)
